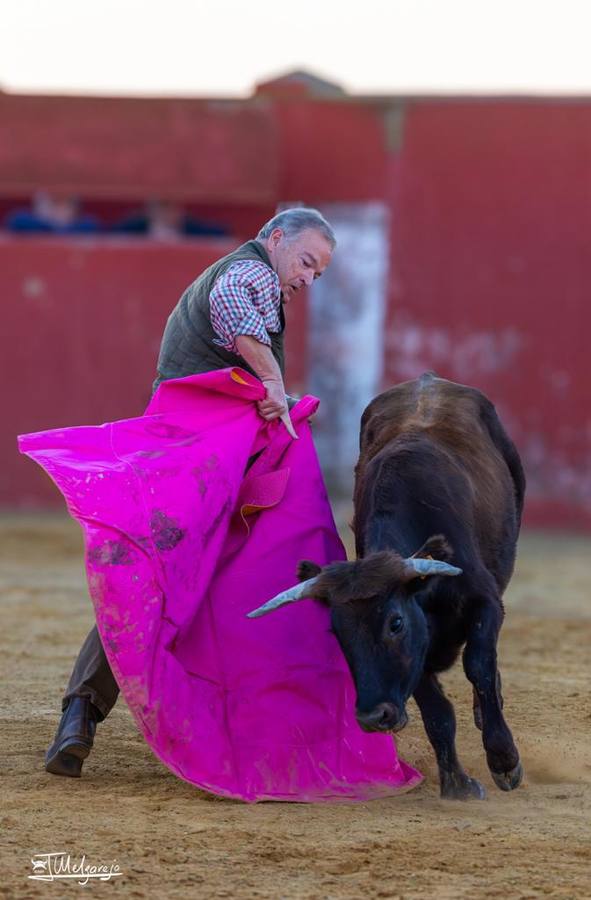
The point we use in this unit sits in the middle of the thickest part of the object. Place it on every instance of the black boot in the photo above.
(73, 739)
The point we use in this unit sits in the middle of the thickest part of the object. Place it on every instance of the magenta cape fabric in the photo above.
(180, 545)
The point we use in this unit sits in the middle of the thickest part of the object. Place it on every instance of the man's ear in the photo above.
(307, 569)
(275, 237)
(435, 547)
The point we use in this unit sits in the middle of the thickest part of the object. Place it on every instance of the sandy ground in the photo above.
(171, 840)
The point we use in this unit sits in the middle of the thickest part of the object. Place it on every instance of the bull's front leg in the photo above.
(476, 702)
(440, 724)
(480, 665)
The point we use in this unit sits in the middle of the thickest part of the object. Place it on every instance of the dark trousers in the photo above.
(92, 676)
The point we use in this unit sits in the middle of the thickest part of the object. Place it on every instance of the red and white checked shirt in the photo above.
(245, 300)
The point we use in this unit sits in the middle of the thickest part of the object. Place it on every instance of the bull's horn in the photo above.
(293, 594)
(431, 567)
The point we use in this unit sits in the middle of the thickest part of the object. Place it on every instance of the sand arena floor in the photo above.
(171, 840)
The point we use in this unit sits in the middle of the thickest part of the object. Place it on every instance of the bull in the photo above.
(438, 498)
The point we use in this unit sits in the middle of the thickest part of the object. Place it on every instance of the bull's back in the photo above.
(444, 428)
(448, 412)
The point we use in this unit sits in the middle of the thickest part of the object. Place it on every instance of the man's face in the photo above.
(299, 260)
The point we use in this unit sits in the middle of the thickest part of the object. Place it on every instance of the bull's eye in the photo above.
(396, 623)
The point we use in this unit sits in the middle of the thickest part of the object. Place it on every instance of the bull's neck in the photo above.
(385, 532)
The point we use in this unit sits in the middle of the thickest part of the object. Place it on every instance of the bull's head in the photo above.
(377, 621)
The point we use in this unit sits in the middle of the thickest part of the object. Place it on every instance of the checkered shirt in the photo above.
(245, 300)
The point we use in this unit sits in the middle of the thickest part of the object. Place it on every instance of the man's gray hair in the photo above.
(293, 221)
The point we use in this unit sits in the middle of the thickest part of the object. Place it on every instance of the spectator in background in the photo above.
(163, 220)
(51, 215)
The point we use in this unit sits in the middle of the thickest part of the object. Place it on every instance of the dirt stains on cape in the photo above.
(165, 531)
(200, 473)
(112, 553)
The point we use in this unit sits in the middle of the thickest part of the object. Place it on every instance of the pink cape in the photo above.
(180, 545)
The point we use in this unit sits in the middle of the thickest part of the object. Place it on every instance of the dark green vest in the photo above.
(188, 344)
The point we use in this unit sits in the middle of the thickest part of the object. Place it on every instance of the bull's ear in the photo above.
(416, 582)
(307, 570)
(435, 547)
(418, 570)
(318, 589)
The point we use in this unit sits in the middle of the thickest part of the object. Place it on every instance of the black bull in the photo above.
(437, 478)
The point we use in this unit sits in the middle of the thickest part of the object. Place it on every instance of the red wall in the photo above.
(331, 152)
(134, 148)
(490, 275)
(490, 210)
(81, 328)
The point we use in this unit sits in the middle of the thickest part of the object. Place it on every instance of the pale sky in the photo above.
(223, 47)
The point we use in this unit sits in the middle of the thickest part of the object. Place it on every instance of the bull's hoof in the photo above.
(508, 781)
(462, 789)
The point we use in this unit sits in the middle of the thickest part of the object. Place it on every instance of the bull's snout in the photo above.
(383, 717)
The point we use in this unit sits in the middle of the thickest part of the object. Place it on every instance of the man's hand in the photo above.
(262, 361)
(275, 402)
(274, 406)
